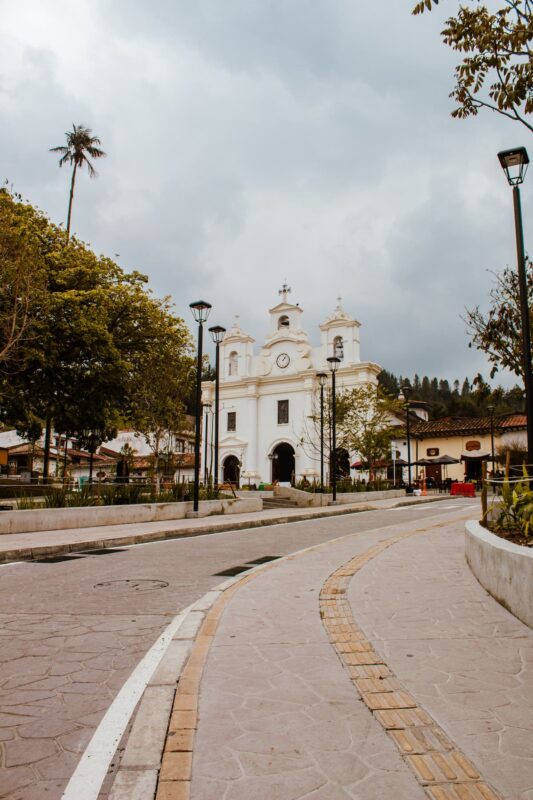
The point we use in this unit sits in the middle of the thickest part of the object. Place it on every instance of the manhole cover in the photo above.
(132, 585)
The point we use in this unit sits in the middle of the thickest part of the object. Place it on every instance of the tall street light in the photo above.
(333, 362)
(322, 379)
(207, 407)
(514, 163)
(405, 392)
(217, 334)
(490, 409)
(200, 311)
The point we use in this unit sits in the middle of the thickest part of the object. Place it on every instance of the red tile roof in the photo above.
(466, 426)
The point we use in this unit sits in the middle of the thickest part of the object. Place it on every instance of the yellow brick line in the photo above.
(174, 781)
(438, 765)
(176, 765)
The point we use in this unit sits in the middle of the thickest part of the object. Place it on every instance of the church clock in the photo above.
(283, 360)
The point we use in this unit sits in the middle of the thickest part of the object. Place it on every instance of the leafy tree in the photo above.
(165, 373)
(93, 338)
(21, 277)
(366, 425)
(497, 333)
(389, 382)
(80, 145)
(496, 71)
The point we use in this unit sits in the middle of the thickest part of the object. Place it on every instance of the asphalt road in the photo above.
(73, 629)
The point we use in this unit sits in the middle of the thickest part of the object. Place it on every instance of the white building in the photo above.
(267, 399)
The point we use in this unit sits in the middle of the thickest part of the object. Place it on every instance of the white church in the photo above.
(267, 399)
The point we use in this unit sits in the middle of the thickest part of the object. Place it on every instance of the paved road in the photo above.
(72, 631)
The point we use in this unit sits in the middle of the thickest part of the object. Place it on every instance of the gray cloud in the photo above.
(252, 141)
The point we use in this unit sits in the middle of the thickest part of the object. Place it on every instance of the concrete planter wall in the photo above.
(311, 500)
(55, 519)
(504, 569)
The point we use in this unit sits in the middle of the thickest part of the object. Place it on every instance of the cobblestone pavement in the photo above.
(280, 717)
(465, 658)
(72, 631)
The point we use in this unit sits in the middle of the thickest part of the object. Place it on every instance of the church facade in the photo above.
(268, 400)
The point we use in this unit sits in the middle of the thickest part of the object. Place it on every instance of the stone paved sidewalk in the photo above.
(413, 684)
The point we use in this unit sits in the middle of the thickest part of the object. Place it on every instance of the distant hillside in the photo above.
(469, 399)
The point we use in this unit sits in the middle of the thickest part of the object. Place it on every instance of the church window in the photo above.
(233, 366)
(283, 321)
(232, 420)
(338, 347)
(283, 412)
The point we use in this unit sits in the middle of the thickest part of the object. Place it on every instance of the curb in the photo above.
(31, 553)
(28, 553)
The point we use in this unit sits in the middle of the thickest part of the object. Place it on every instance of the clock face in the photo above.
(283, 360)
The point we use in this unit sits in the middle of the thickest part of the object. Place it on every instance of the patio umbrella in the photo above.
(446, 460)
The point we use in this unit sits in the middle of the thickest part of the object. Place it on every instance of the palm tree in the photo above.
(80, 144)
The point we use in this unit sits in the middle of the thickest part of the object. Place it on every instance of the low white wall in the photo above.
(313, 499)
(504, 569)
(56, 519)
(245, 493)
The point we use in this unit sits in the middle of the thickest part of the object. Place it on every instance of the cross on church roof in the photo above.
(284, 291)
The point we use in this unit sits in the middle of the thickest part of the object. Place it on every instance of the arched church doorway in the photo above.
(231, 470)
(283, 463)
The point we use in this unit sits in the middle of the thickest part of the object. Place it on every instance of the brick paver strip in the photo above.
(175, 774)
(439, 766)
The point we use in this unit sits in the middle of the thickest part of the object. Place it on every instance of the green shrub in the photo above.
(55, 497)
(25, 503)
(123, 494)
(514, 511)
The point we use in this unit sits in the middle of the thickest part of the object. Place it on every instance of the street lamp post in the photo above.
(514, 163)
(217, 334)
(200, 311)
(405, 391)
(207, 407)
(491, 412)
(322, 378)
(333, 362)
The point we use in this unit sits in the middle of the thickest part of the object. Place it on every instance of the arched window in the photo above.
(283, 321)
(338, 347)
(233, 364)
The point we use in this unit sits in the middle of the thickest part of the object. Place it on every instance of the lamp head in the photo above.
(514, 163)
(200, 310)
(217, 333)
(333, 362)
(405, 391)
(322, 378)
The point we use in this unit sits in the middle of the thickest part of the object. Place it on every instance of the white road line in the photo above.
(87, 779)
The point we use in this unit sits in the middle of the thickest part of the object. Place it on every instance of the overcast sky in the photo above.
(253, 141)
